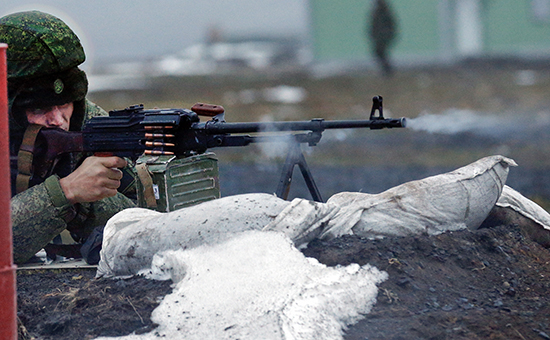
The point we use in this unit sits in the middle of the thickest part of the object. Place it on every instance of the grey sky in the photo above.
(119, 29)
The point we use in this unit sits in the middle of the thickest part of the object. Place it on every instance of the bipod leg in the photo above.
(296, 157)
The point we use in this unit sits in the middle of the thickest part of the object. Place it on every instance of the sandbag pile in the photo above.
(237, 271)
(456, 200)
(133, 236)
(452, 201)
(512, 199)
(513, 208)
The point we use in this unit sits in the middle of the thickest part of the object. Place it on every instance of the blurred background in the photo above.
(471, 76)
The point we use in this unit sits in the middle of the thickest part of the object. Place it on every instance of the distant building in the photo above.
(433, 31)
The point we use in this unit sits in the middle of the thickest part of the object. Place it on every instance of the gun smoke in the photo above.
(499, 126)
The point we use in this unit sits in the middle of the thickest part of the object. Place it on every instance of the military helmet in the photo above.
(50, 90)
(39, 44)
(43, 56)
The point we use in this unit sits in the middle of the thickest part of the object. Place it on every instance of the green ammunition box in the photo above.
(178, 182)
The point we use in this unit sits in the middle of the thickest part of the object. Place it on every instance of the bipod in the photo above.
(296, 157)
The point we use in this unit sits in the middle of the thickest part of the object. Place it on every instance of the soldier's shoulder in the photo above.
(94, 110)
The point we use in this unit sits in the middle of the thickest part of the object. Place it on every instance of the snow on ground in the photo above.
(258, 286)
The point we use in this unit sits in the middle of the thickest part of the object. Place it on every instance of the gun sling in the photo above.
(25, 157)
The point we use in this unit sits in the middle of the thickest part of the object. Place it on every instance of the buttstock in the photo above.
(50, 145)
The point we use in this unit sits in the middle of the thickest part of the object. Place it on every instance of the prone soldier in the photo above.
(47, 88)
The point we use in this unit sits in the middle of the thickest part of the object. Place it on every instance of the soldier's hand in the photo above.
(96, 178)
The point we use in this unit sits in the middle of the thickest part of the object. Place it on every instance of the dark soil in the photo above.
(71, 304)
(486, 284)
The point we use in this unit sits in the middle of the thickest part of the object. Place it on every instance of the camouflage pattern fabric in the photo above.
(53, 89)
(39, 44)
(42, 52)
(36, 220)
(42, 212)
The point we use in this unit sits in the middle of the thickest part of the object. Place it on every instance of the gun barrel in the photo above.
(373, 124)
(312, 125)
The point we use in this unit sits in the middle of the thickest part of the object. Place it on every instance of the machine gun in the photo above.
(135, 131)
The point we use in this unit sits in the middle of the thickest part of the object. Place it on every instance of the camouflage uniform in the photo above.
(43, 55)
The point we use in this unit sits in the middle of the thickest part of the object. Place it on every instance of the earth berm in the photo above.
(491, 283)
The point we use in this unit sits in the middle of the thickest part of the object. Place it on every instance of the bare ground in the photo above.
(491, 283)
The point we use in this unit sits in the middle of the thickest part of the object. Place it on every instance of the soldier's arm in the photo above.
(38, 214)
(43, 211)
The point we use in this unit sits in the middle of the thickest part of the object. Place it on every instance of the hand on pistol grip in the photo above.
(96, 178)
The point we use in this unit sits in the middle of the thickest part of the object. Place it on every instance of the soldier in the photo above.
(46, 88)
(382, 33)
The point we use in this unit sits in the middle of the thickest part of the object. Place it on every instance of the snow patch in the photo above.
(257, 285)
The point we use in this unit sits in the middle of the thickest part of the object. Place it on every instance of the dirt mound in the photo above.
(71, 304)
(487, 284)
(490, 283)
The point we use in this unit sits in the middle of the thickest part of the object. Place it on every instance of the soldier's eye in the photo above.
(38, 111)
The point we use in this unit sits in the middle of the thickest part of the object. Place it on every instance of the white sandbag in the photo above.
(257, 285)
(460, 199)
(510, 198)
(303, 220)
(133, 236)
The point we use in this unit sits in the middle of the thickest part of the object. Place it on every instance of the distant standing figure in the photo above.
(382, 32)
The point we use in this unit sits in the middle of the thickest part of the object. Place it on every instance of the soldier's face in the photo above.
(58, 116)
